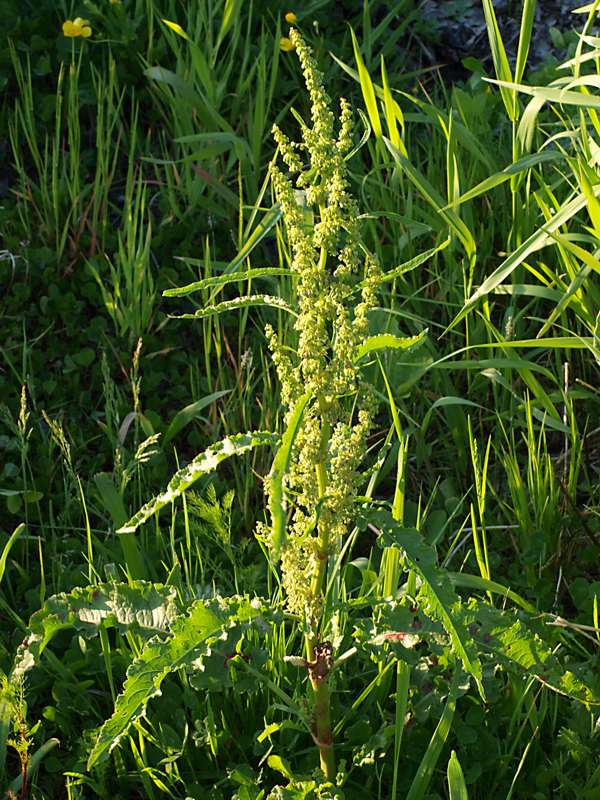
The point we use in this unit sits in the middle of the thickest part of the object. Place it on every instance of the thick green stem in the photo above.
(322, 728)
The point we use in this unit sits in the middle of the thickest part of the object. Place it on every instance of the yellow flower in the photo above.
(291, 18)
(77, 27)
(115, 2)
(286, 44)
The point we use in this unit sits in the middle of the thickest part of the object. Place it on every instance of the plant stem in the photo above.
(319, 655)
(323, 734)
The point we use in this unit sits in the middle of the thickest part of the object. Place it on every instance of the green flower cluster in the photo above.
(335, 279)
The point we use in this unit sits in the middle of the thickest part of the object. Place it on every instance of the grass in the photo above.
(138, 165)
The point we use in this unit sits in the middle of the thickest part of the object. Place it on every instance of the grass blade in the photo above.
(422, 779)
(8, 546)
(456, 780)
(368, 91)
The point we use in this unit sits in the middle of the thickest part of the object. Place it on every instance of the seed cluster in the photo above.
(328, 261)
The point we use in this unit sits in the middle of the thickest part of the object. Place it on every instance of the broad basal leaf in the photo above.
(139, 606)
(190, 638)
(517, 639)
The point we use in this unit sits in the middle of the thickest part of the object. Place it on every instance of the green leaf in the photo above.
(517, 639)
(113, 502)
(536, 241)
(8, 547)
(267, 223)
(415, 262)
(139, 606)
(527, 19)
(388, 341)
(33, 763)
(368, 91)
(217, 281)
(402, 687)
(231, 12)
(281, 765)
(111, 499)
(281, 465)
(393, 113)
(442, 601)
(190, 638)
(418, 787)
(522, 165)
(477, 582)
(456, 779)
(434, 198)
(236, 303)
(499, 57)
(187, 414)
(549, 94)
(6, 713)
(201, 465)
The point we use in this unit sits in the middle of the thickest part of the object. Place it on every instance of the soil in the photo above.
(461, 31)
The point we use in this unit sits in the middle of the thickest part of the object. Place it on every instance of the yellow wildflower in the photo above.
(286, 44)
(291, 18)
(77, 27)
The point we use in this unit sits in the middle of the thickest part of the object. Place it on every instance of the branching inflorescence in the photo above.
(331, 268)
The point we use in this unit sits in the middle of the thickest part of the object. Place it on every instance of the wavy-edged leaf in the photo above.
(189, 641)
(442, 601)
(201, 465)
(281, 465)
(415, 262)
(385, 341)
(141, 606)
(217, 281)
(237, 303)
(515, 638)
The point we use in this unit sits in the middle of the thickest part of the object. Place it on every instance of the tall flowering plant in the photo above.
(322, 374)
